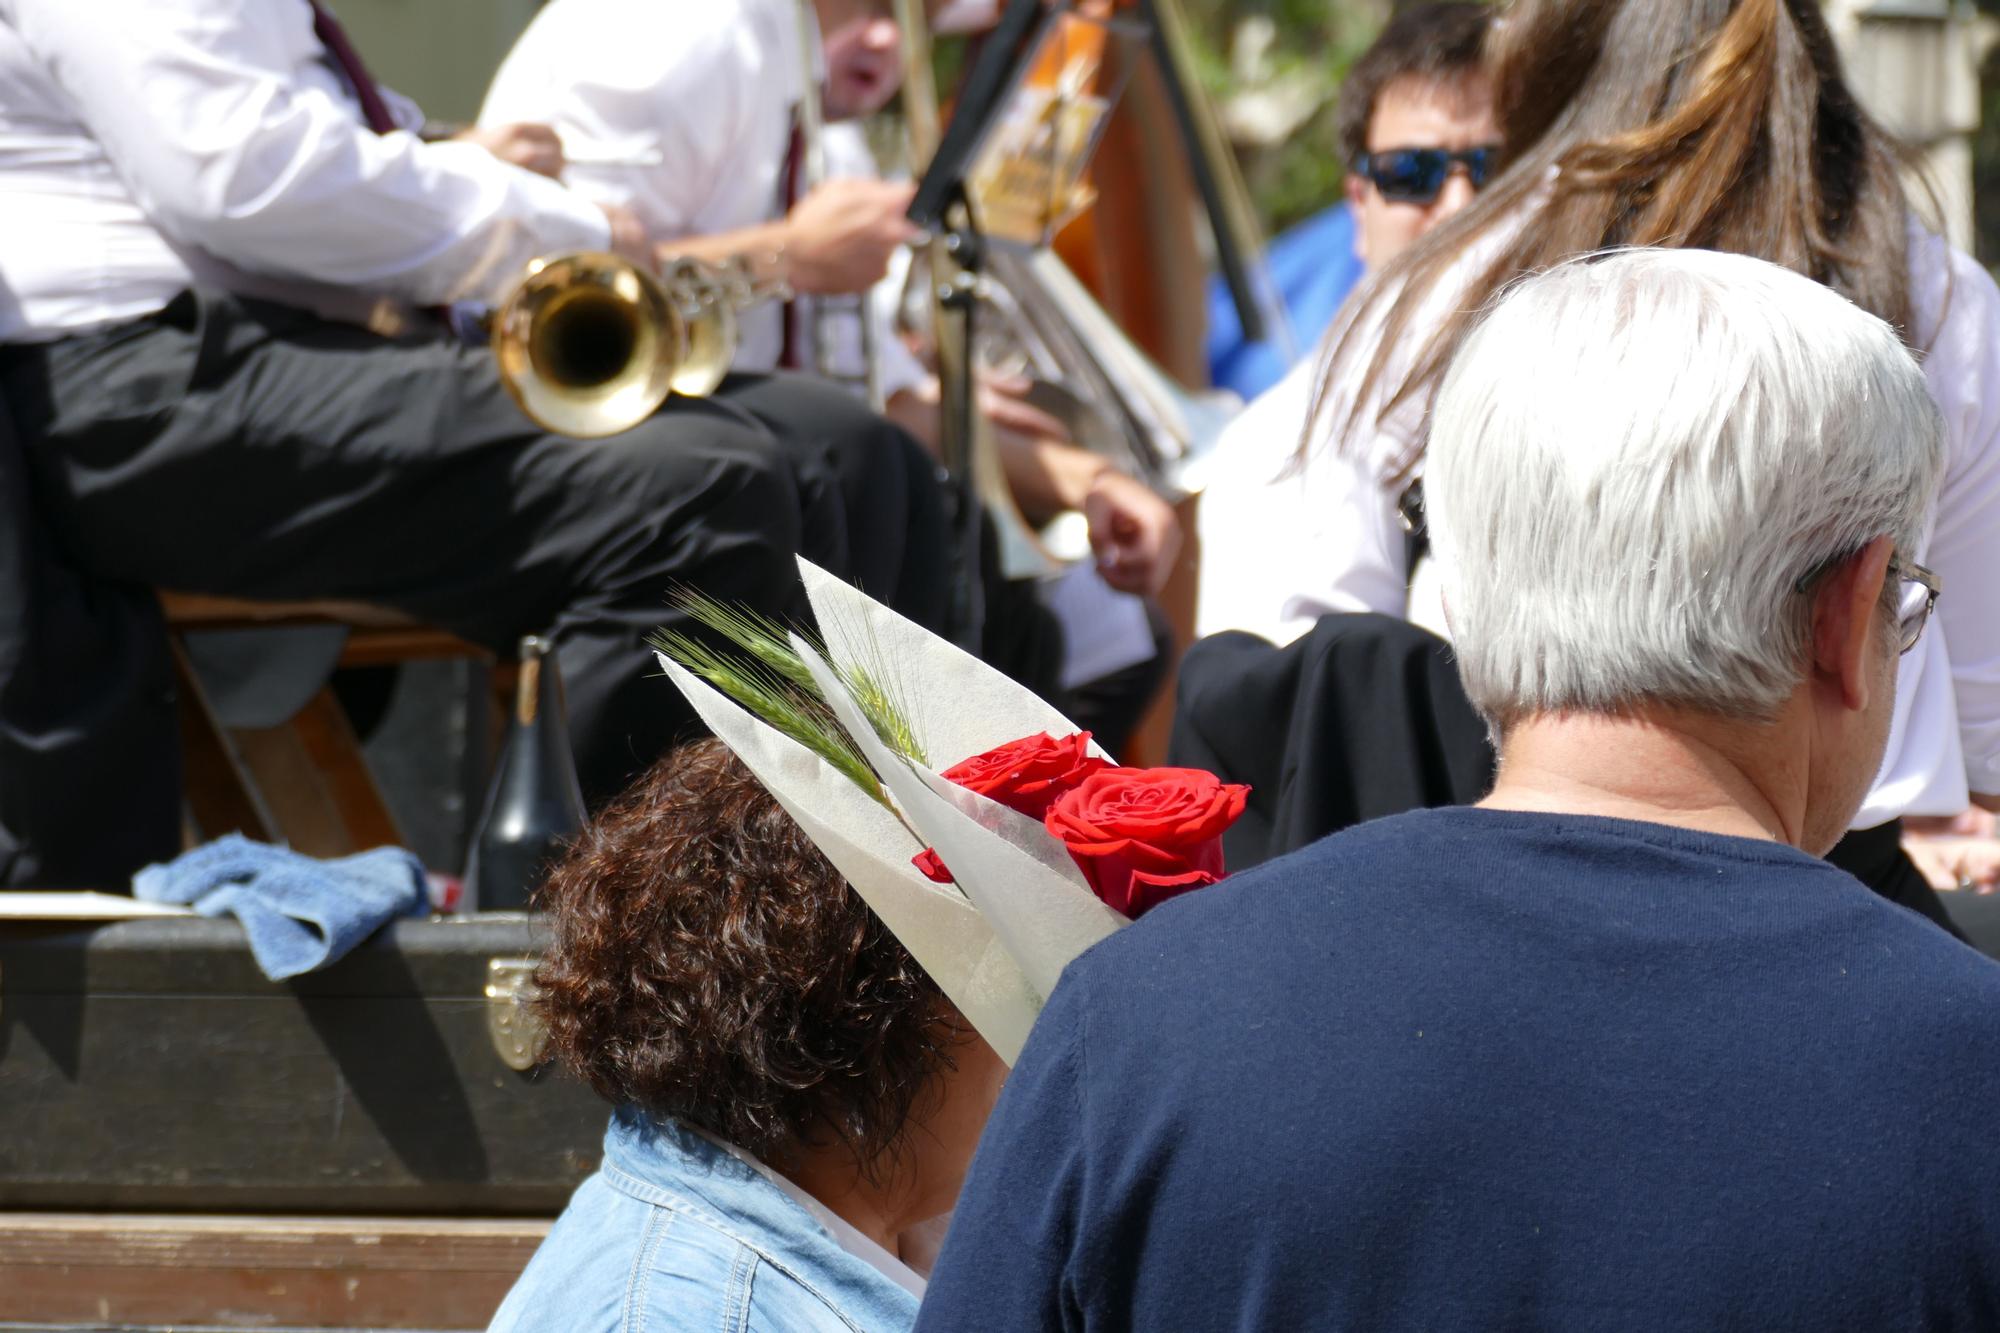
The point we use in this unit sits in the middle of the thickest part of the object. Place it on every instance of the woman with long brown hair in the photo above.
(1718, 124)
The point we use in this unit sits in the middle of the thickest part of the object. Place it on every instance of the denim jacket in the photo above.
(675, 1233)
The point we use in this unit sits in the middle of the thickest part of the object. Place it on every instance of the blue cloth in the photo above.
(1472, 1069)
(673, 1233)
(1313, 268)
(299, 913)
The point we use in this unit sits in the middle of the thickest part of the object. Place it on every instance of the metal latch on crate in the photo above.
(512, 1021)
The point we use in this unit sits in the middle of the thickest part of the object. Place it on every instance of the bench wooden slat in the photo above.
(305, 782)
(255, 1272)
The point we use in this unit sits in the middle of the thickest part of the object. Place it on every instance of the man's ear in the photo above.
(1847, 622)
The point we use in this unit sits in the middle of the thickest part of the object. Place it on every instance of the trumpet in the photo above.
(589, 344)
(708, 299)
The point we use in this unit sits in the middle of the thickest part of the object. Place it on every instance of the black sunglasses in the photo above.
(1416, 175)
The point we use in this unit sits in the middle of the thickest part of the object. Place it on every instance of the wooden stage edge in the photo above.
(103, 1270)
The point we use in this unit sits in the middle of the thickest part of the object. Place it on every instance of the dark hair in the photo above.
(1718, 124)
(1433, 42)
(709, 965)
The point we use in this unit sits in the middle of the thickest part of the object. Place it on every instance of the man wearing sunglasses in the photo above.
(1424, 141)
(1419, 136)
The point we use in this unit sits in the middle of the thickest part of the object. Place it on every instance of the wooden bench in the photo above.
(90, 1271)
(305, 782)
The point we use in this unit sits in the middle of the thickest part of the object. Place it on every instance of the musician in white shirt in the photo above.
(1420, 91)
(684, 114)
(200, 201)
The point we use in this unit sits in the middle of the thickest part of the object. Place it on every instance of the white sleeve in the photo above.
(204, 109)
(657, 119)
(1963, 367)
(1281, 545)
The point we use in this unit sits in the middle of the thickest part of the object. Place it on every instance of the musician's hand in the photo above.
(1950, 862)
(1003, 400)
(1136, 534)
(534, 147)
(839, 238)
(628, 236)
(1969, 823)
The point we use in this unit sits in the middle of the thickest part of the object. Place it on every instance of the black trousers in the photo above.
(1876, 857)
(249, 449)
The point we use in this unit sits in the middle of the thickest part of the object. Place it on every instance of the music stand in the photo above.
(942, 206)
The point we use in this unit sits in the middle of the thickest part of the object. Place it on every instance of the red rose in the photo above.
(1026, 775)
(1144, 835)
(1029, 774)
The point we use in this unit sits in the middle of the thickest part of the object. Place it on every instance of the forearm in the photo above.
(762, 242)
(1047, 477)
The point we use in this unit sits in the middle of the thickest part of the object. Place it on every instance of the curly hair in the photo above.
(708, 964)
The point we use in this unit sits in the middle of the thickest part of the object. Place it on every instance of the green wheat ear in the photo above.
(771, 680)
(769, 645)
(878, 702)
(771, 696)
(763, 638)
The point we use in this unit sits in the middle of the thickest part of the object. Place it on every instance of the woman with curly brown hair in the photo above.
(793, 1093)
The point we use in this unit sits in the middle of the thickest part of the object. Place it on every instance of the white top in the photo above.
(685, 117)
(145, 144)
(1279, 551)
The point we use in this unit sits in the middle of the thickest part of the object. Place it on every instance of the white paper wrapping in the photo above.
(1045, 914)
(957, 705)
(995, 943)
(872, 849)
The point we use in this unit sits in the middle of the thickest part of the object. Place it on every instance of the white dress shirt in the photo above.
(683, 114)
(149, 144)
(1282, 546)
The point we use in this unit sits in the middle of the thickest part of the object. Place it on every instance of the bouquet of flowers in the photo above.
(1021, 848)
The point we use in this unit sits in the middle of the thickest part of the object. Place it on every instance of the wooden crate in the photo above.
(149, 1065)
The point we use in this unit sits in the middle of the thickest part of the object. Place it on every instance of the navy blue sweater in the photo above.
(1470, 1069)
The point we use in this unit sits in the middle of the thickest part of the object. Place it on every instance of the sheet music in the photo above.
(1103, 630)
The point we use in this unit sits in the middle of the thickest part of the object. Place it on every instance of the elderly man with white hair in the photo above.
(1613, 1049)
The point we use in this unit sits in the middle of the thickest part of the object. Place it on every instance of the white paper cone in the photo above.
(1046, 917)
(956, 704)
(872, 849)
(1031, 894)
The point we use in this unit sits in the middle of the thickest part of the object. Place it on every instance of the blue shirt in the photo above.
(1313, 267)
(1480, 1070)
(674, 1233)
